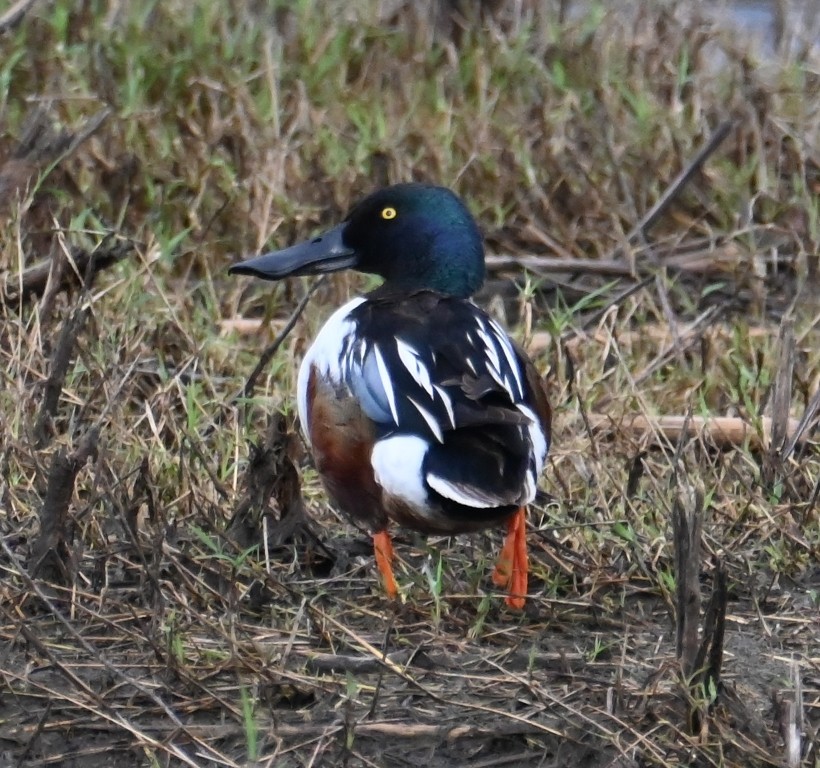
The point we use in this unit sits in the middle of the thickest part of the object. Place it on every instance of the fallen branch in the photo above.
(421, 731)
(613, 264)
(334, 662)
(606, 267)
(248, 326)
(723, 431)
(32, 282)
(372, 729)
(701, 256)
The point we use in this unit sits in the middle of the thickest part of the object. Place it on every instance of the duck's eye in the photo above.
(388, 213)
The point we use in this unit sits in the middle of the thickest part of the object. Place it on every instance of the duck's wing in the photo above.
(441, 369)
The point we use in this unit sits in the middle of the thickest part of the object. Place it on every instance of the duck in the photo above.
(418, 407)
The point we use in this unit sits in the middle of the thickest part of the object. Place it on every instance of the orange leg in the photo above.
(383, 547)
(511, 568)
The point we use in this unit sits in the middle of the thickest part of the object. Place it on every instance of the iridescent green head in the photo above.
(415, 236)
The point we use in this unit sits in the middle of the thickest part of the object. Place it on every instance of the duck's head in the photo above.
(415, 236)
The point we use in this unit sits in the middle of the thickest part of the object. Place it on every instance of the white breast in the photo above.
(396, 461)
(324, 355)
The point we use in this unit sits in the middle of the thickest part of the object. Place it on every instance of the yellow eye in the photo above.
(388, 213)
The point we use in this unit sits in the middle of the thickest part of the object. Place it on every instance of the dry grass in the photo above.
(148, 145)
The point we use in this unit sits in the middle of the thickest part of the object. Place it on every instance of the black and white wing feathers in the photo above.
(441, 369)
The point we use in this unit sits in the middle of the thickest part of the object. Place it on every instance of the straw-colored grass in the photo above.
(162, 604)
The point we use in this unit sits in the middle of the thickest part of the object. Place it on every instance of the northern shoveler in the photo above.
(418, 407)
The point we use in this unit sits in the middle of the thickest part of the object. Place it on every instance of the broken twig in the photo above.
(723, 431)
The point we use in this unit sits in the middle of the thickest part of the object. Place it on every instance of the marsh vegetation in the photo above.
(177, 590)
